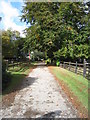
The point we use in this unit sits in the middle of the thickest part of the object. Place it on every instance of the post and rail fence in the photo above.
(78, 68)
(12, 64)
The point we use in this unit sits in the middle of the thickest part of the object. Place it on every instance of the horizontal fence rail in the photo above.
(12, 64)
(78, 68)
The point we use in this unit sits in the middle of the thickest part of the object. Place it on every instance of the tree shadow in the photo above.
(28, 81)
(53, 114)
(19, 82)
(49, 115)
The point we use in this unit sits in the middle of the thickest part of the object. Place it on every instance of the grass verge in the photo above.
(75, 86)
(18, 73)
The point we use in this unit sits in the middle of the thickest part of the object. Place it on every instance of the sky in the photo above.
(10, 11)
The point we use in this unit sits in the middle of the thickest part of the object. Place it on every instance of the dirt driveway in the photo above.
(40, 96)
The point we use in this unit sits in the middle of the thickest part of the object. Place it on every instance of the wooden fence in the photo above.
(78, 68)
(12, 64)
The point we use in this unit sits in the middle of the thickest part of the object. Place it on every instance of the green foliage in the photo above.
(17, 74)
(8, 49)
(57, 63)
(37, 55)
(6, 77)
(12, 44)
(19, 51)
(48, 61)
(58, 29)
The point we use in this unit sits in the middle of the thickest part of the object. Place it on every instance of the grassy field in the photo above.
(18, 73)
(77, 84)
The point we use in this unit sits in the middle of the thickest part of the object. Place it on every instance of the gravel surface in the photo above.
(40, 97)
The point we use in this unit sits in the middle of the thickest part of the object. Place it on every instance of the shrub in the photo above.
(57, 63)
(6, 77)
(48, 61)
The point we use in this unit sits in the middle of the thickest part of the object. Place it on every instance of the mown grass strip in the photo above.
(76, 83)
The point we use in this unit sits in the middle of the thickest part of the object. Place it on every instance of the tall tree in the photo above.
(57, 28)
(12, 44)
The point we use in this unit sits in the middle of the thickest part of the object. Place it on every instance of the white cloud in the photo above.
(10, 13)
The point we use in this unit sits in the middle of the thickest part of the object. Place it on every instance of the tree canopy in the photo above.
(61, 30)
(12, 44)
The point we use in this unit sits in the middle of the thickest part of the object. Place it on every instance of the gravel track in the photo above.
(40, 97)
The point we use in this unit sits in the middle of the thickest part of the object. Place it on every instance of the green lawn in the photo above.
(18, 73)
(76, 83)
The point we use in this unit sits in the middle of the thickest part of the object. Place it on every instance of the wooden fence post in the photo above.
(13, 64)
(69, 65)
(64, 65)
(84, 68)
(7, 64)
(76, 67)
(89, 71)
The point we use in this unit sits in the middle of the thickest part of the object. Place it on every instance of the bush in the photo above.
(3, 66)
(48, 61)
(6, 77)
(57, 63)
